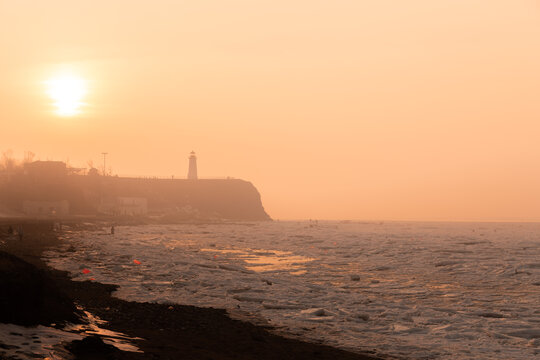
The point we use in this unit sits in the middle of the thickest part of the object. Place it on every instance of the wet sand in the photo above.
(167, 331)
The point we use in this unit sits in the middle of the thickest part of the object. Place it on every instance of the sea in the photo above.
(417, 290)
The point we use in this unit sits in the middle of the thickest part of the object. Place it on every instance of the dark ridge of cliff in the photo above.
(231, 199)
(175, 199)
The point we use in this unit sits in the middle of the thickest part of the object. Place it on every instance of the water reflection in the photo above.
(266, 260)
(116, 339)
(43, 342)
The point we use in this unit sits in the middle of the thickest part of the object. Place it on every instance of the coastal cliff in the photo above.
(231, 199)
(170, 199)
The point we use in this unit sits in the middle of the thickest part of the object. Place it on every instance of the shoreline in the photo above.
(169, 331)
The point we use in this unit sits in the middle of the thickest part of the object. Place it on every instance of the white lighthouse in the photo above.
(192, 171)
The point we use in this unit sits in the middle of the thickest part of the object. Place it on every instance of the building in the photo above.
(192, 171)
(46, 208)
(130, 206)
(46, 171)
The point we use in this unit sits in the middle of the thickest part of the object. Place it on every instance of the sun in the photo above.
(67, 92)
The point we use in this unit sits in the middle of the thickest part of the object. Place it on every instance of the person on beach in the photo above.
(112, 230)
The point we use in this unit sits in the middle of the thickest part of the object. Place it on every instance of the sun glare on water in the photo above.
(67, 93)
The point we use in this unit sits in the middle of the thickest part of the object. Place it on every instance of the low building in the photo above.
(46, 171)
(46, 208)
(130, 206)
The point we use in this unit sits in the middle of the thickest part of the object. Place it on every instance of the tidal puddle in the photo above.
(116, 339)
(43, 342)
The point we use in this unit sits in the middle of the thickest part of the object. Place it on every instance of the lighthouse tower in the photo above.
(192, 172)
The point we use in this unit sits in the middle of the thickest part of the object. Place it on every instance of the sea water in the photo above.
(420, 290)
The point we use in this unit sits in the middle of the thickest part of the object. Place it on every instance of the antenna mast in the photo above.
(104, 162)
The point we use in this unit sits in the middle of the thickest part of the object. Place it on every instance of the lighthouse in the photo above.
(192, 171)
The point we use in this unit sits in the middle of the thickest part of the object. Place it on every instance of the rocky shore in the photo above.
(34, 294)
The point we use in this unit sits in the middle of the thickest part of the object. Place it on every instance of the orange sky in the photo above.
(343, 109)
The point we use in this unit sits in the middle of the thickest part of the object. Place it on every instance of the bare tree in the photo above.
(8, 163)
(28, 157)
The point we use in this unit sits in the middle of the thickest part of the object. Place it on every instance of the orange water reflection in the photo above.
(266, 260)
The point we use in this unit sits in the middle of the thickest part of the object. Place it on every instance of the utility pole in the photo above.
(104, 162)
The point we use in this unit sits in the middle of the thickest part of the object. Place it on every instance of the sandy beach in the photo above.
(45, 296)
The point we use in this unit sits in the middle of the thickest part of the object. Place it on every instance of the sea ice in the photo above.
(424, 290)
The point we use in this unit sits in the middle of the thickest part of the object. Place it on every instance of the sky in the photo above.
(343, 109)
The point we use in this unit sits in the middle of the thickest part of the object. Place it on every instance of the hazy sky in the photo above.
(342, 109)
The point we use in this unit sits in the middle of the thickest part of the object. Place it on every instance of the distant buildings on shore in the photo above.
(55, 172)
(53, 189)
(46, 208)
(124, 206)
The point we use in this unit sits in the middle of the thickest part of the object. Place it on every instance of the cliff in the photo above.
(176, 199)
(231, 199)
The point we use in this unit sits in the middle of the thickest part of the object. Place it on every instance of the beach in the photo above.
(149, 330)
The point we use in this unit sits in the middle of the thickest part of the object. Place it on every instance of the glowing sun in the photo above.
(67, 93)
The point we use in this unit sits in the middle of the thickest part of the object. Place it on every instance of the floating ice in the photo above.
(424, 290)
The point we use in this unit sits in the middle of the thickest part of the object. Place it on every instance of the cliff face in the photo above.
(226, 199)
(230, 199)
